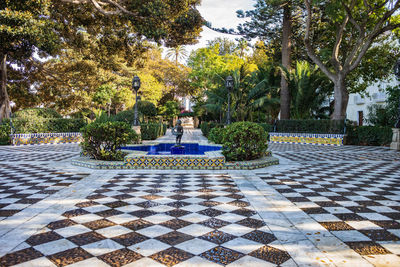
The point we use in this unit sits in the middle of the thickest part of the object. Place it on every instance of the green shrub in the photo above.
(151, 131)
(207, 126)
(147, 109)
(244, 141)
(310, 126)
(5, 131)
(46, 113)
(102, 141)
(186, 114)
(216, 135)
(368, 135)
(42, 125)
(267, 127)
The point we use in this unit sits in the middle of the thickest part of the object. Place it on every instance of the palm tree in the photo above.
(309, 89)
(177, 53)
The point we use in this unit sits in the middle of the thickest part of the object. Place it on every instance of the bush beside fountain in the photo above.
(244, 142)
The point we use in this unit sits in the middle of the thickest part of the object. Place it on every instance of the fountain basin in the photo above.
(165, 148)
(205, 157)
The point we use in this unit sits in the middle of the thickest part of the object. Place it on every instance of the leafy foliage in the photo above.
(151, 131)
(170, 109)
(147, 109)
(24, 29)
(310, 126)
(45, 113)
(216, 135)
(244, 141)
(206, 127)
(44, 125)
(103, 140)
(309, 90)
(5, 132)
(386, 115)
(369, 135)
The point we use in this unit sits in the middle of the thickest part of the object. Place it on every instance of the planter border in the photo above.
(307, 138)
(209, 161)
(45, 138)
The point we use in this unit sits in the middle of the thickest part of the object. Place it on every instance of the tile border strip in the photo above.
(45, 138)
(307, 138)
(158, 162)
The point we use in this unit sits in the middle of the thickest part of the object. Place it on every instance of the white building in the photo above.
(357, 108)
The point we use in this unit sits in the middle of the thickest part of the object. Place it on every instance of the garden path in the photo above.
(322, 206)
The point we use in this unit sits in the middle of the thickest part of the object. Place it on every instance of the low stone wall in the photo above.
(45, 138)
(305, 138)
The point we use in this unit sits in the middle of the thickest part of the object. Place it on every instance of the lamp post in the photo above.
(229, 87)
(136, 86)
(397, 73)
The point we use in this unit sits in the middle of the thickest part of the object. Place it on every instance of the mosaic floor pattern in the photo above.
(345, 199)
(27, 184)
(156, 218)
(356, 202)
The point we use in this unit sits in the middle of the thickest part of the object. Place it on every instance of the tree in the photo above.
(356, 26)
(271, 19)
(177, 53)
(310, 90)
(172, 22)
(24, 29)
(99, 33)
(209, 64)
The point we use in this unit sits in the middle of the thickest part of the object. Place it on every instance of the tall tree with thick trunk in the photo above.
(41, 27)
(286, 59)
(269, 21)
(355, 26)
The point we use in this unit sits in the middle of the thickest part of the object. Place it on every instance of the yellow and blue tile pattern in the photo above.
(45, 138)
(304, 138)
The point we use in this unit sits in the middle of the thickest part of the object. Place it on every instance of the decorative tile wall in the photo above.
(173, 162)
(161, 162)
(304, 138)
(45, 138)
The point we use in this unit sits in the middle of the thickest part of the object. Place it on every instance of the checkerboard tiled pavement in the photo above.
(148, 219)
(323, 206)
(358, 203)
(26, 184)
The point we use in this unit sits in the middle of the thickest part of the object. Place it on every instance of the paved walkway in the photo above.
(321, 206)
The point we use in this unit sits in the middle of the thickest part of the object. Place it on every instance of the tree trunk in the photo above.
(286, 51)
(341, 98)
(4, 99)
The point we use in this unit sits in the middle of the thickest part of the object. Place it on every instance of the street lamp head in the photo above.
(136, 83)
(397, 69)
(229, 82)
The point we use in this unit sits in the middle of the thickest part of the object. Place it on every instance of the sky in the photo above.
(221, 13)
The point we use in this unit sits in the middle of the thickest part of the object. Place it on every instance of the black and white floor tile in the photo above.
(26, 184)
(358, 203)
(156, 219)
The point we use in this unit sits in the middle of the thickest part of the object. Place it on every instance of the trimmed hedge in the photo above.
(43, 125)
(45, 113)
(267, 127)
(5, 131)
(244, 141)
(207, 126)
(186, 114)
(310, 126)
(102, 141)
(216, 135)
(369, 135)
(151, 131)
